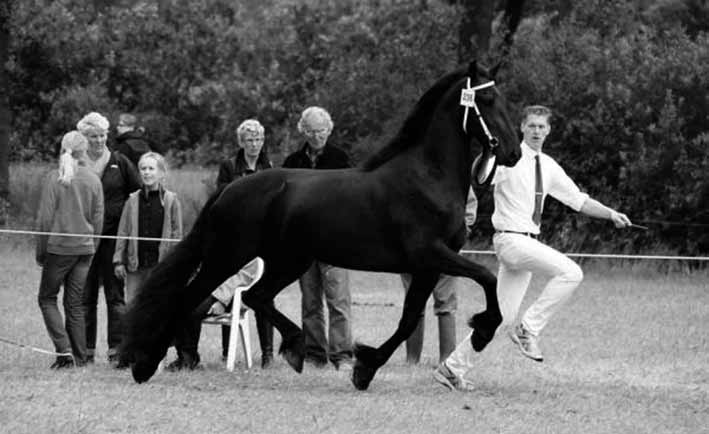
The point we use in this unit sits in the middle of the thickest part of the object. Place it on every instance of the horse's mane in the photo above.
(417, 120)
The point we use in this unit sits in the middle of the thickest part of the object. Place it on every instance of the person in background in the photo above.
(519, 194)
(151, 212)
(130, 141)
(118, 178)
(71, 203)
(445, 304)
(323, 280)
(250, 158)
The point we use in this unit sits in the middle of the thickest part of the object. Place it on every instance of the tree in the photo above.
(475, 31)
(5, 9)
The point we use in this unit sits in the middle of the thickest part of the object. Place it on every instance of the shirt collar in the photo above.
(312, 153)
(528, 151)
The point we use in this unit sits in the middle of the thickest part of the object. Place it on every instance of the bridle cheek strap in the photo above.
(467, 99)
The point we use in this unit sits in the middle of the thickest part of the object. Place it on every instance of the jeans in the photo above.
(445, 299)
(101, 271)
(71, 271)
(332, 283)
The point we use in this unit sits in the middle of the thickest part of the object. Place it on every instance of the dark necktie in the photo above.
(538, 192)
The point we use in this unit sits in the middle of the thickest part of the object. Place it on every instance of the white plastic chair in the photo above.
(238, 319)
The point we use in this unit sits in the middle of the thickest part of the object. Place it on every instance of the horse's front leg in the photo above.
(277, 276)
(368, 359)
(484, 323)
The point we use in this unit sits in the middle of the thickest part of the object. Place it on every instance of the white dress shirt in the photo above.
(514, 191)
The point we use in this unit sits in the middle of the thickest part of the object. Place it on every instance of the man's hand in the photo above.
(619, 219)
(120, 271)
(217, 309)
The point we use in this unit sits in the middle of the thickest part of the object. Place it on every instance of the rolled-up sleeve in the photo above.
(564, 189)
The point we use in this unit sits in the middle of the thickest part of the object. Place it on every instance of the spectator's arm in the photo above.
(97, 213)
(176, 219)
(124, 230)
(47, 205)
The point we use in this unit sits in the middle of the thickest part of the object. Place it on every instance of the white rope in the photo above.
(608, 255)
(475, 252)
(35, 349)
(108, 237)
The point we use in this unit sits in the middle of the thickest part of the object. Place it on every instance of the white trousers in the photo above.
(519, 257)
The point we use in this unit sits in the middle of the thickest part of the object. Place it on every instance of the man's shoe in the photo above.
(527, 343)
(443, 375)
(122, 364)
(316, 362)
(266, 360)
(184, 362)
(63, 362)
(175, 365)
(343, 364)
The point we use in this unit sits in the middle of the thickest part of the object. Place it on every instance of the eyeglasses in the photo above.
(319, 131)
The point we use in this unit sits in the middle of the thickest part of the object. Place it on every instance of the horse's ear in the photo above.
(473, 69)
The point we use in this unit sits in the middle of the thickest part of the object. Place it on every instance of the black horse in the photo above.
(401, 211)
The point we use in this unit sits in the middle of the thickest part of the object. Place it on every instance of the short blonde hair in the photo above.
(92, 121)
(249, 126)
(538, 110)
(314, 112)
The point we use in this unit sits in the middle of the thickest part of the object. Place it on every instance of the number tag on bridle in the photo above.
(467, 97)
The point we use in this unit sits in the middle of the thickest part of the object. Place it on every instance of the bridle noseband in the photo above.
(485, 163)
(467, 100)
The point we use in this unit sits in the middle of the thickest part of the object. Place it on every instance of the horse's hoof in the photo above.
(483, 330)
(362, 375)
(479, 341)
(294, 359)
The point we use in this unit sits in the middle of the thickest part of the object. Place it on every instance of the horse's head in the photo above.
(485, 116)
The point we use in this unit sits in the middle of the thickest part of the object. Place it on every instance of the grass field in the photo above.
(629, 354)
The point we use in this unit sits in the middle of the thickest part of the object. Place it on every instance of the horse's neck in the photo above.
(433, 164)
(447, 157)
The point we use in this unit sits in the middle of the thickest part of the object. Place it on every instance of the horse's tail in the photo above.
(151, 318)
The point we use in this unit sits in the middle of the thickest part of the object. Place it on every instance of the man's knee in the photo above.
(572, 273)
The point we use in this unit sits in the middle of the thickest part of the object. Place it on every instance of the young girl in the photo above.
(71, 203)
(151, 212)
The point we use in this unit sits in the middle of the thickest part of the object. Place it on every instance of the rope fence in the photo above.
(465, 251)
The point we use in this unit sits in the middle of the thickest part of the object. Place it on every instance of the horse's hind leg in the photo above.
(485, 323)
(276, 277)
(368, 359)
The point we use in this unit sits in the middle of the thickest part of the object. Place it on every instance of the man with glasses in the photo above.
(321, 279)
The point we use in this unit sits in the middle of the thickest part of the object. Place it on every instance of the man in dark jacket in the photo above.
(129, 141)
(323, 279)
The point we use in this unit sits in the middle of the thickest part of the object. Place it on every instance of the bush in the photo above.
(630, 119)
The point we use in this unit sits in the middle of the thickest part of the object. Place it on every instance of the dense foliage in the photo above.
(628, 82)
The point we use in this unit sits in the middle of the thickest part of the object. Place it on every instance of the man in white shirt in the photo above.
(519, 194)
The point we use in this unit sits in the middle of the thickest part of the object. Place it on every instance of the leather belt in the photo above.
(528, 234)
